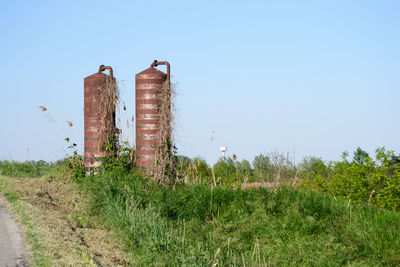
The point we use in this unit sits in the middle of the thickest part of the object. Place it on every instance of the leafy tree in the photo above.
(225, 167)
(202, 167)
(261, 164)
(360, 156)
(243, 168)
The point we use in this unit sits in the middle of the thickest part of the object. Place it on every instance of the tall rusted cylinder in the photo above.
(93, 106)
(149, 84)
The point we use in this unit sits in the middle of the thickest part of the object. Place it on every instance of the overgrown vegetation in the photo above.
(274, 168)
(203, 225)
(30, 169)
(362, 179)
(107, 95)
(164, 169)
(206, 218)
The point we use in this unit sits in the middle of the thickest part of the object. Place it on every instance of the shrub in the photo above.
(201, 167)
(362, 180)
(224, 168)
(262, 165)
(244, 169)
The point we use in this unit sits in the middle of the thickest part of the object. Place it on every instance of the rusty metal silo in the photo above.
(149, 84)
(93, 86)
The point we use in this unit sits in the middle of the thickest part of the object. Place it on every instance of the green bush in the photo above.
(200, 169)
(262, 165)
(362, 180)
(274, 167)
(243, 168)
(313, 166)
(224, 168)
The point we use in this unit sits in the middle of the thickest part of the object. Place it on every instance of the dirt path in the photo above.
(72, 236)
(12, 248)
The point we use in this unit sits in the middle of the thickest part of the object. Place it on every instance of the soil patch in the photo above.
(75, 237)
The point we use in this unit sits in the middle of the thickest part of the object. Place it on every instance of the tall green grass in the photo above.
(199, 224)
(203, 225)
(31, 169)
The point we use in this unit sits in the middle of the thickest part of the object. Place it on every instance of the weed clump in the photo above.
(164, 169)
(107, 97)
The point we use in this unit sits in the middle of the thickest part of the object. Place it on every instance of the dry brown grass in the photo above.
(164, 169)
(74, 237)
(257, 185)
(107, 98)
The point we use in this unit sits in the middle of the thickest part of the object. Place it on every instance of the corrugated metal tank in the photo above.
(149, 84)
(92, 88)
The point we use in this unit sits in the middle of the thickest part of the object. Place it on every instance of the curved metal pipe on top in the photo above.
(157, 63)
(103, 68)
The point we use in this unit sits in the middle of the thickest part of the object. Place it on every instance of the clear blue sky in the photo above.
(317, 77)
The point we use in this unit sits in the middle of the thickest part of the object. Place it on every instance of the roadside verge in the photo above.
(58, 230)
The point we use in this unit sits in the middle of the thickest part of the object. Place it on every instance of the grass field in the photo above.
(203, 225)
